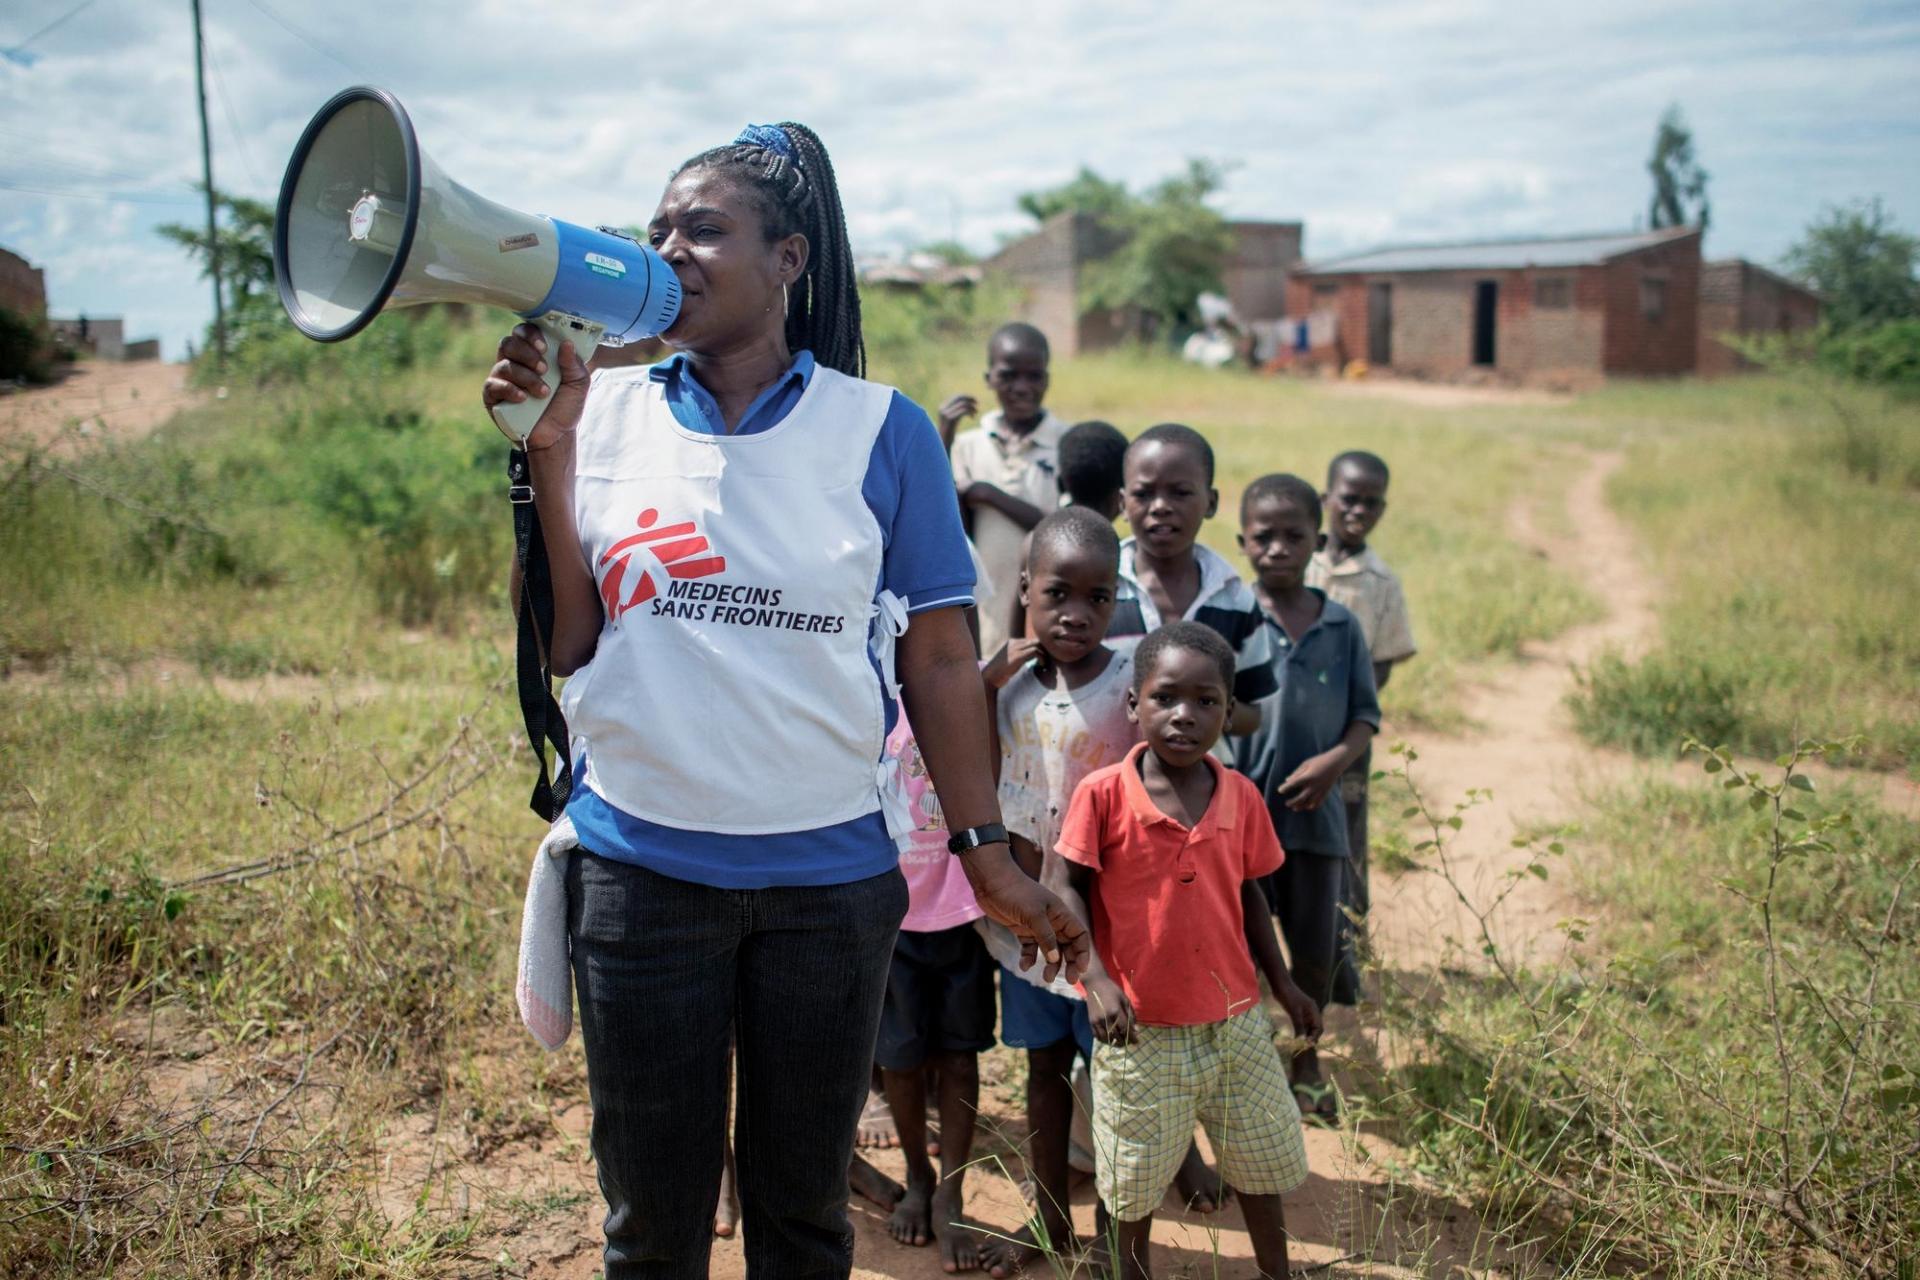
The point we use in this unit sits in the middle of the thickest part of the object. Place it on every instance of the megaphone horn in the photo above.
(367, 221)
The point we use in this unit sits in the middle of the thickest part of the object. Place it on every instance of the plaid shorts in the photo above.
(1227, 1076)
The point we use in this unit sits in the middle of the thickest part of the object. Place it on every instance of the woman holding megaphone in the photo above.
(753, 550)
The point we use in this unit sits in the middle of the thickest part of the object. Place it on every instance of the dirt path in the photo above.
(101, 400)
(1524, 749)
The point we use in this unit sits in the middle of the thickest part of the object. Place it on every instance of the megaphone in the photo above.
(368, 221)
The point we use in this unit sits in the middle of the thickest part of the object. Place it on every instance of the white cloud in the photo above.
(1402, 120)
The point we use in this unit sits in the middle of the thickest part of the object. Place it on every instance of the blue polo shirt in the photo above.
(1325, 684)
(909, 488)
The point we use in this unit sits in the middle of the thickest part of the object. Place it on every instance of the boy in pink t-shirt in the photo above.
(937, 1018)
(1167, 848)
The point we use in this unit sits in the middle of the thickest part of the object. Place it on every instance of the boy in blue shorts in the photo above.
(1165, 852)
(1060, 711)
(1312, 730)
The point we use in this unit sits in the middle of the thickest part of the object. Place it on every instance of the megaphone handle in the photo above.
(519, 419)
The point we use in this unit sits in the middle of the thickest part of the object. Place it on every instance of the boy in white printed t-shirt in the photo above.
(1060, 712)
(1006, 468)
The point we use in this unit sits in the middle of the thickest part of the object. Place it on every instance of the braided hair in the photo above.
(784, 169)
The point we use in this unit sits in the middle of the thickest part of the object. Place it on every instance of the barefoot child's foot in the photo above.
(872, 1185)
(876, 1131)
(1019, 1253)
(959, 1239)
(1201, 1188)
(912, 1220)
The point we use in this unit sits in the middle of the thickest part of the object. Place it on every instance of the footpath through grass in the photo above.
(1780, 517)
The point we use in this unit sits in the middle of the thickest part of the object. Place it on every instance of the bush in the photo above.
(1886, 354)
(27, 348)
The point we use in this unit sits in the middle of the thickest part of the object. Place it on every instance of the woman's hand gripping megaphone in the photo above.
(520, 373)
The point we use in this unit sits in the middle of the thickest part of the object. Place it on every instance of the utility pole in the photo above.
(206, 170)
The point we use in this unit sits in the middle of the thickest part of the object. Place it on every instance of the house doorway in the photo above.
(1379, 325)
(1486, 302)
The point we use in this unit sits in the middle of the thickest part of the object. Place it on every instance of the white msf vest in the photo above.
(732, 689)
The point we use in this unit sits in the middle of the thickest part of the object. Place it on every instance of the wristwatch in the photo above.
(973, 837)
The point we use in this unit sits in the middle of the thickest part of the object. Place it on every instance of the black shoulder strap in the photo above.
(535, 641)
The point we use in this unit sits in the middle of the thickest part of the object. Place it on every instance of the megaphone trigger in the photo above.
(518, 418)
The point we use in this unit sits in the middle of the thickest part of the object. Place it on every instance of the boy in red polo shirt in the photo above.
(1167, 848)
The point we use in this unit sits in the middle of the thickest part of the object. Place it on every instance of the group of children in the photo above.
(1182, 756)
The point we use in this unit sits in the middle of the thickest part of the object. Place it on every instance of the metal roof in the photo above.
(1500, 255)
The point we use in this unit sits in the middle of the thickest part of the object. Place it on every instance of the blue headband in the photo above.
(770, 136)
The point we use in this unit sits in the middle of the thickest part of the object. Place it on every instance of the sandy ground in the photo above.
(99, 400)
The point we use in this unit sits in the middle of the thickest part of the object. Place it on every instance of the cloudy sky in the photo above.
(1394, 120)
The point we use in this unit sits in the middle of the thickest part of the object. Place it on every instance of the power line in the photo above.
(61, 21)
(233, 121)
(119, 175)
(303, 36)
(358, 72)
(67, 148)
(129, 197)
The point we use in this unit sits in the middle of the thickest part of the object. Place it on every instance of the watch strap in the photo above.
(973, 837)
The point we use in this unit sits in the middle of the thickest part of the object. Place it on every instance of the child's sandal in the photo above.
(1318, 1102)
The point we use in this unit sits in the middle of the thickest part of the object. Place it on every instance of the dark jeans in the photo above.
(666, 973)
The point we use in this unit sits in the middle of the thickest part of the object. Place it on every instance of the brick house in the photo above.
(1047, 265)
(1565, 309)
(103, 337)
(23, 286)
(1737, 296)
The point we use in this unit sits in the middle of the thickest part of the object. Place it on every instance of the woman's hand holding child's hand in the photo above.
(1110, 1012)
(1307, 787)
(1006, 664)
(1045, 928)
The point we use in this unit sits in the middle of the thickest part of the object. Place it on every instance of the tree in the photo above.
(1087, 192)
(950, 252)
(1679, 183)
(246, 259)
(1863, 266)
(1170, 242)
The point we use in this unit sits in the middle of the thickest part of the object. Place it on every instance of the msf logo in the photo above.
(680, 549)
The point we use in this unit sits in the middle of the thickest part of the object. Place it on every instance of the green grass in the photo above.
(1779, 518)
